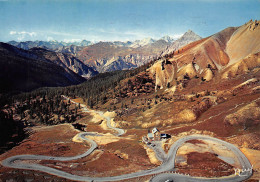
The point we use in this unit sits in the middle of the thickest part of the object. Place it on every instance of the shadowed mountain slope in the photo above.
(66, 61)
(22, 70)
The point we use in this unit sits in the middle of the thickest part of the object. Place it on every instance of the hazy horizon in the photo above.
(175, 37)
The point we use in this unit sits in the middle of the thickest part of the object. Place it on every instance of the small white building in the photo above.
(155, 130)
(156, 135)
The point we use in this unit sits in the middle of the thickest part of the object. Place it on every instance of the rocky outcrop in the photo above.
(76, 65)
(227, 54)
(202, 106)
(121, 62)
(247, 116)
(72, 49)
(66, 61)
(164, 72)
(243, 66)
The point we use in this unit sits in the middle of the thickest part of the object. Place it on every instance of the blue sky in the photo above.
(108, 20)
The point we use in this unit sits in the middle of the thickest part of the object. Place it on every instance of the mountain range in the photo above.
(220, 55)
(107, 56)
(29, 65)
(111, 56)
(52, 45)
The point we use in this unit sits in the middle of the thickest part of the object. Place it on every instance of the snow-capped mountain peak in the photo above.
(167, 38)
(143, 42)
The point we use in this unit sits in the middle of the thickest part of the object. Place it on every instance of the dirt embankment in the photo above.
(247, 116)
(250, 146)
(46, 140)
(254, 158)
(206, 158)
(205, 165)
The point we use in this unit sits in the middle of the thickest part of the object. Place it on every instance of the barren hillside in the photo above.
(207, 58)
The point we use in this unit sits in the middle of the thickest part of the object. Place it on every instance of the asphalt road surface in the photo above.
(162, 172)
(85, 109)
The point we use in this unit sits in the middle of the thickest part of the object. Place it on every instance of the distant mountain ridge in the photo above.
(53, 45)
(57, 45)
(111, 56)
(167, 38)
(106, 56)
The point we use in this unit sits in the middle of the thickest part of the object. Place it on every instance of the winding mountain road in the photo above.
(168, 161)
(108, 119)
